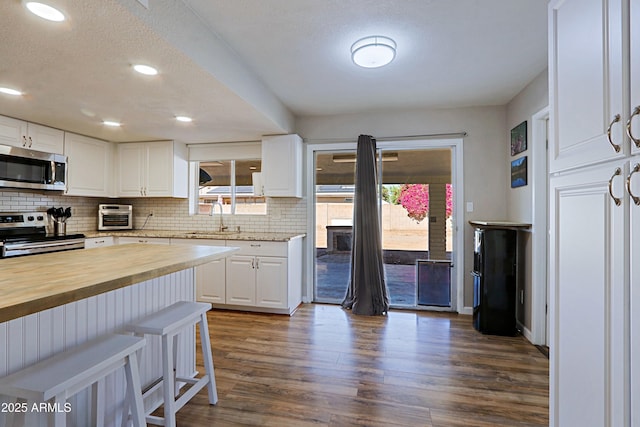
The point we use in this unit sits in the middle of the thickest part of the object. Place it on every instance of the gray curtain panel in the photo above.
(367, 291)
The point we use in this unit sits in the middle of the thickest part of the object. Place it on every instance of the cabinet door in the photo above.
(12, 132)
(241, 280)
(131, 157)
(634, 257)
(282, 166)
(585, 78)
(271, 282)
(90, 166)
(587, 301)
(635, 73)
(159, 169)
(211, 282)
(43, 138)
(210, 278)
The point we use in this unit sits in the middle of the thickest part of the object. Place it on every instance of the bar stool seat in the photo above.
(65, 374)
(168, 323)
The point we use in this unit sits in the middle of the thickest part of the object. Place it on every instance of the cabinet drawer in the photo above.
(154, 240)
(96, 242)
(259, 248)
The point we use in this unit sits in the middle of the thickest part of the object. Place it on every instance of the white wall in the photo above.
(485, 156)
(533, 98)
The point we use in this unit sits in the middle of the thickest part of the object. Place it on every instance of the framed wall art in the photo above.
(519, 138)
(519, 172)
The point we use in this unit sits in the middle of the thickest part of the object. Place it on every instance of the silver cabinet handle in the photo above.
(616, 200)
(635, 140)
(257, 264)
(24, 140)
(30, 142)
(635, 198)
(615, 120)
(253, 261)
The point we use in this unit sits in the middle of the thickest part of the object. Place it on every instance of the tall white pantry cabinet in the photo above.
(594, 245)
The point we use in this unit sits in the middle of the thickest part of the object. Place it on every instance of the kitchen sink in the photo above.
(212, 233)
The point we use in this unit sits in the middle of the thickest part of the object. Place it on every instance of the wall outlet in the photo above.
(151, 213)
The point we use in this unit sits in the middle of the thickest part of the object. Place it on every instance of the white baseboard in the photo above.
(466, 310)
(525, 332)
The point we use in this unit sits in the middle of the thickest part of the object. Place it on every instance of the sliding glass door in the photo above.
(415, 207)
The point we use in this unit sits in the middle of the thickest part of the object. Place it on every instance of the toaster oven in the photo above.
(115, 217)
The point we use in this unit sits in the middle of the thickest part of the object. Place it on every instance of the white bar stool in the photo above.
(167, 323)
(65, 374)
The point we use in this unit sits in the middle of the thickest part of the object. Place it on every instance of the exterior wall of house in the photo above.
(485, 157)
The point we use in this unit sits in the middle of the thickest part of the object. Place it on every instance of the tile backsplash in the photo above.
(283, 214)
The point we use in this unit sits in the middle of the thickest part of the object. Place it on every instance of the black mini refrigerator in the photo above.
(495, 280)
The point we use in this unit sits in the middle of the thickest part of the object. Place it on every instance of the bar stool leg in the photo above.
(60, 417)
(176, 386)
(134, 396)
(205, 342)
(169, 382)
(97, 402)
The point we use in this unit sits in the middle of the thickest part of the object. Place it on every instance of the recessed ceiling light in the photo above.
(10, 91)
(111, 123)
(45, 11)
(184, 119)
(145, 69)
(373, 52)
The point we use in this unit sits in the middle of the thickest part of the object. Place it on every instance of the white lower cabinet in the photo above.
(265, 275)
(97, 242)
(589, 300)
(121, 240)
(210, 277)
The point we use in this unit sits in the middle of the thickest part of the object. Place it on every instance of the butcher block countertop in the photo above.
(224, 235)
(34, 283)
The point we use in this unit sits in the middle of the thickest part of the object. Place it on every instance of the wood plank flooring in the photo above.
(327, 367)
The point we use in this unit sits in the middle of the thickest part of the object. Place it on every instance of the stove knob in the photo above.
(40, 217)
(29, 218)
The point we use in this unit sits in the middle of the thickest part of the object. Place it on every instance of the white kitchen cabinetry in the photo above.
(122, 240)
(282, 165)
(98, 242)
(594, 236)
(19, 133)
(633, 124)
(588, 297)
(585, 70)
(265, 275)
(152, 169)
(634, 297)
(211, 277)
(90, 166)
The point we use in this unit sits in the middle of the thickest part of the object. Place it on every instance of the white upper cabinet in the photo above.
(152, 169)
(586, 82)
(282, 165)
(90, 166)
(19, 133)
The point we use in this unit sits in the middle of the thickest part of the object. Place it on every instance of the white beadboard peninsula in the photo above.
(55, 301)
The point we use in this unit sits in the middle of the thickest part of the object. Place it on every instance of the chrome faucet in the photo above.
(222, 226)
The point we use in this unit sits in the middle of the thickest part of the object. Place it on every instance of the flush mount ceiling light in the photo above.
(184, 119)
(147, 70)
(45, 11)
(9, 91)
(111, 123)
(373, 51)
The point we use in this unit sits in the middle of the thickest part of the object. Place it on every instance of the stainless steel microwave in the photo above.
(23, 168)
(115, 217)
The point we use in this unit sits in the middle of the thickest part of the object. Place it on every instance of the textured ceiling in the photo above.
(245, 68)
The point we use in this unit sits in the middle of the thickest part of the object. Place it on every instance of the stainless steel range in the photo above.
(25, 233)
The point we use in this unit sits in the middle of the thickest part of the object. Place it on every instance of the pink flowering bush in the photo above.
(415, 199)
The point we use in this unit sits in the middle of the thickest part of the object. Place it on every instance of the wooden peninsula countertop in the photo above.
(34, 283)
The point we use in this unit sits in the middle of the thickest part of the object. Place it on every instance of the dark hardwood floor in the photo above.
(327, 367)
